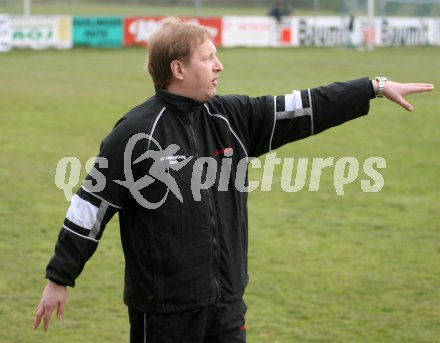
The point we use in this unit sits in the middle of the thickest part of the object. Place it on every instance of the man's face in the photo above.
(202, 72)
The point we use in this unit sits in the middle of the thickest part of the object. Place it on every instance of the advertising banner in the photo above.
(392, 31)
(285, 33)
(137, 30)
(436, 29)
(98, 31)
(5, 33)
(62, 32)
(322, 31)
(41, 32)
(248, 31)
(358, 31)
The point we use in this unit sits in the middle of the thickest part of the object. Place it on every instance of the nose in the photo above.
(218, 66)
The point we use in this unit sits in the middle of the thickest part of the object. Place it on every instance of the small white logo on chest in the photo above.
(173, 159)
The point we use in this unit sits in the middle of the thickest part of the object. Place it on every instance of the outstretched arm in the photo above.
(54, 297)
(396, 91)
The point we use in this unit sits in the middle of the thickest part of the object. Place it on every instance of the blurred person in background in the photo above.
(280, 10)
(277, 11)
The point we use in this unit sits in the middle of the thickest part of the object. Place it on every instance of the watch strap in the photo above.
(381, 86)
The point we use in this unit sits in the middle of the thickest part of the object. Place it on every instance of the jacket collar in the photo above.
(177, 102)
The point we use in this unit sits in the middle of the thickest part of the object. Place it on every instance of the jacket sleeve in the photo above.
(79, 236)
(93, 205)
(308, 112)
(268, 122)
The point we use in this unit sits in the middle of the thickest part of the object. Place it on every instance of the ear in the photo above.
(177, 69)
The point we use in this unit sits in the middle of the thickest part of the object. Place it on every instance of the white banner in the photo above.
(392, 31)
(247, 31)
(436, 29)
(5, 33)
(285, 32)
(41, 32)
(323, 31)
(354, 31)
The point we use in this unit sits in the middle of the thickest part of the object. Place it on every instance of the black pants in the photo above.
(220, 323)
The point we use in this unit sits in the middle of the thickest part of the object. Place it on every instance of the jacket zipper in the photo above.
(211, 212)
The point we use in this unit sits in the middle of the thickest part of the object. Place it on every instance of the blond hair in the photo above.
(174, 40)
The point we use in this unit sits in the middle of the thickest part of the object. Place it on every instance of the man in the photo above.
(277, 11)
(183, 218)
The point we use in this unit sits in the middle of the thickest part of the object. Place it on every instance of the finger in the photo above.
(38, 314)
(424, 85)
(419, 88)
(405, 104)
(47, 316)
(60, 310)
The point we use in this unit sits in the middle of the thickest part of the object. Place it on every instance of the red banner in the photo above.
(137, 30)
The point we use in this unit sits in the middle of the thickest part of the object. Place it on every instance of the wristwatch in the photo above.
(381, 81)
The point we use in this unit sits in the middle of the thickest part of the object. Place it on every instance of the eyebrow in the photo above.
(209, 55)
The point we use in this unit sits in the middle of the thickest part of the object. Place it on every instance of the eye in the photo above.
(209, 57)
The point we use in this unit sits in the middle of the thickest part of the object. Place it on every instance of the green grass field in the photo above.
(84, 8)
(363, 267)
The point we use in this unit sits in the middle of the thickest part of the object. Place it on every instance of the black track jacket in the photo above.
(191, 251)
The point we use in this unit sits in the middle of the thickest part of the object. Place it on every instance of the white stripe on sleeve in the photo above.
(82, 213)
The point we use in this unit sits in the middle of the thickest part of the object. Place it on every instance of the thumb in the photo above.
(400, 100)
(405, 104)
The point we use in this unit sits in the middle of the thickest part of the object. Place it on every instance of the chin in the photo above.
(208, 97)
(213, 93)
